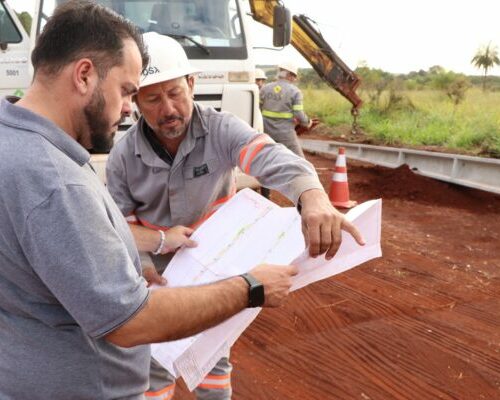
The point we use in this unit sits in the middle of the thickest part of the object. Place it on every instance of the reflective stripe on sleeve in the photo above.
(275, 114)
(166, 393)
(298, 107)
(249, 151)
(147, 224)
(213, 207)
(216, 382)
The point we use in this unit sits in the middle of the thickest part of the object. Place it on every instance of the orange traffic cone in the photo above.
(339, 187)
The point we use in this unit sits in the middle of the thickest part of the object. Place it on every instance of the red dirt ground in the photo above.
(422, 322)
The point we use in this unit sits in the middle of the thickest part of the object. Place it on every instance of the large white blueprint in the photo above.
(249, 230)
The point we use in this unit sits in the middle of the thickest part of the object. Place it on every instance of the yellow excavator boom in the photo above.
(310, 43)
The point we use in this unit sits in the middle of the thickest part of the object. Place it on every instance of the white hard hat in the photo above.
(168, 60)
(289, 66)
(259, 74)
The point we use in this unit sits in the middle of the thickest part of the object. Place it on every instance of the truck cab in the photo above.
(14, 53)
(215, 36)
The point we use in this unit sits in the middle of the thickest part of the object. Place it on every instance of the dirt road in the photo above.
(422, 322)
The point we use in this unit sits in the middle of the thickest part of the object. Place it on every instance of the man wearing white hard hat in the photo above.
(260, 78)
(175, 167)
(281, 105)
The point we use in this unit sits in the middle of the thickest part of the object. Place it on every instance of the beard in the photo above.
(101, 132)
(172, 133)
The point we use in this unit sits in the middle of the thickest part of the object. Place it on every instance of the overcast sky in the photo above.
(396, 36)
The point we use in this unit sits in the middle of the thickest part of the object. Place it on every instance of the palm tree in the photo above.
(485, 58)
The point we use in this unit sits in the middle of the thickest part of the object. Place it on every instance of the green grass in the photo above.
(472, 126)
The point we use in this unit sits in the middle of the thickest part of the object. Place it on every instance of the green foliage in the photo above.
(308, 77)
(436, 70)
(373, 78)
(396, 99)
(442, 80)
(373, 83)
(457, 88)
(453, 85)
(25, 19)
(429, 118)
(432, 108)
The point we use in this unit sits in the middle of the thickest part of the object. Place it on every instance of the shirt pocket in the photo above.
(200, 171)
(201, 180)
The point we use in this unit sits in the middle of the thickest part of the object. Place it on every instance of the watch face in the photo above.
(256, 296)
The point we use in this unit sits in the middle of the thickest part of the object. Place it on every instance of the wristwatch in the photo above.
(256, 295)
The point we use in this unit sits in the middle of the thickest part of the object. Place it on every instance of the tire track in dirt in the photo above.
(422, 322)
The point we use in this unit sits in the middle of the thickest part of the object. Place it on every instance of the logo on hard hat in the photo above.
(150, 71)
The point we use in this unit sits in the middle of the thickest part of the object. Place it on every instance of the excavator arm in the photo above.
(310, 43)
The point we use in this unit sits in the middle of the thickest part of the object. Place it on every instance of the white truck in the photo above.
(215, 34)
(14, 53)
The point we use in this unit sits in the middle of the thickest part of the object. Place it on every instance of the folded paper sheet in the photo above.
(247, 231)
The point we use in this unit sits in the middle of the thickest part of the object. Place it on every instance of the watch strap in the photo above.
(256, 296)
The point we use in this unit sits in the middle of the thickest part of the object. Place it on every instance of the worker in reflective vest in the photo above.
(281, 105)
(260, 78)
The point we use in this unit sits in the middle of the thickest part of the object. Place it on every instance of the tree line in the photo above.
(376, 80)
(436, 77)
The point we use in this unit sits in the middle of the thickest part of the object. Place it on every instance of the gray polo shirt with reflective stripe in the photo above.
(201, 175)
(69, 271)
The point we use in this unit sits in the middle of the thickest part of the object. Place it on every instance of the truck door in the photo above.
(14, 52)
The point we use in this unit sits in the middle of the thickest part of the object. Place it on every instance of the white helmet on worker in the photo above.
(260, 74)
(167, 61)
(289, 66)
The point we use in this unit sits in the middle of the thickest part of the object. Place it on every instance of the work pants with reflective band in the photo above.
(215, 386)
